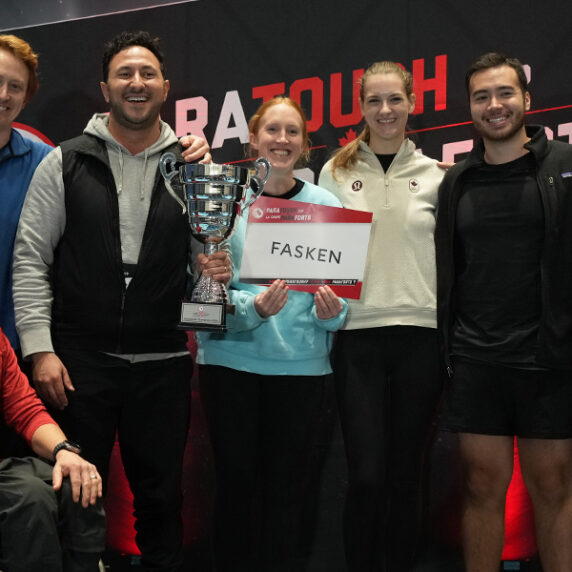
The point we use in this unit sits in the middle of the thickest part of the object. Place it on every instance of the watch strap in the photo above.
(68, 446)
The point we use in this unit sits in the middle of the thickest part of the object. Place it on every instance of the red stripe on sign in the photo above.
(274, 210)
(352, 290)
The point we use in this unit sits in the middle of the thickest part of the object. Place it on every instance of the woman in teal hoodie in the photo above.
(262, 381)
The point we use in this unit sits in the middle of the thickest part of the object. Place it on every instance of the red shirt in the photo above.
(21, 407)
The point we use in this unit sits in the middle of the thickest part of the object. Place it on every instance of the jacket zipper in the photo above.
(119, 257)
(386, 183)
(543, 287)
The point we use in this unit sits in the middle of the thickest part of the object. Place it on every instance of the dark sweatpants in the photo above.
(147, 404)
(261, 428)
(388, 385)
(42, 530)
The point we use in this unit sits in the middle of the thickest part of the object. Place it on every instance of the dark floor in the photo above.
(324, 525)
(436, 561)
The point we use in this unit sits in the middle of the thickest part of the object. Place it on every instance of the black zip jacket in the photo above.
(92, 309)
(554, 177)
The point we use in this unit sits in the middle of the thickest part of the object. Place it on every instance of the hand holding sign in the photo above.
(328, 305)
(272, 300)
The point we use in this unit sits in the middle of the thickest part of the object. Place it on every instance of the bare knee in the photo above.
(488, 464)
(486, 485)
(551, 487)
(547, 470)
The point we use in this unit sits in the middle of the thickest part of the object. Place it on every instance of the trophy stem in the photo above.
(211, 247)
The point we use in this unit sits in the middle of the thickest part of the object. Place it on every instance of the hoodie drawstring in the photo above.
(120, 182)
(144, 175)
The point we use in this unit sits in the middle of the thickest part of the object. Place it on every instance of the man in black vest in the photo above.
(100, 269)
(504, 274)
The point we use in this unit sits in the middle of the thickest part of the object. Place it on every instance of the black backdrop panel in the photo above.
(223, 56)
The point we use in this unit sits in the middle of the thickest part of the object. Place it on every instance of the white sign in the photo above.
(307, 245)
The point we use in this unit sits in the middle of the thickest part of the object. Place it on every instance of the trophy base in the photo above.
(209, 316)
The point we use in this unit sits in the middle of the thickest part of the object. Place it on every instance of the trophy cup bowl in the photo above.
(214, 195)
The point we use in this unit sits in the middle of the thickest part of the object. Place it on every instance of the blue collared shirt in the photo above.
(18, 161)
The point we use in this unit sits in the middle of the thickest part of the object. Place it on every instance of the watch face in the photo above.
(68, 446)
(73, 447)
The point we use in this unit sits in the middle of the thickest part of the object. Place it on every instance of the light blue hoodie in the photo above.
(293, 342)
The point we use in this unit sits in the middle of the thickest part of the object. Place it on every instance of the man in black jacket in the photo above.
(100, 269)
(504, 272)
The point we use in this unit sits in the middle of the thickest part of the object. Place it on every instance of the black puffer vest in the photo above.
(92, 309)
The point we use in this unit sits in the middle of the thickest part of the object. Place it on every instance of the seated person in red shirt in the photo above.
(51, 517)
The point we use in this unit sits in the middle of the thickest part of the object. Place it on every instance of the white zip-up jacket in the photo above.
(399, 285)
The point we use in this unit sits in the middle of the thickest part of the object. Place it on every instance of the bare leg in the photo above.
(488, 463)
(547, 471)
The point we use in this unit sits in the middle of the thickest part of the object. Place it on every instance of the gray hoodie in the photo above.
(134, 178)
(43, 221)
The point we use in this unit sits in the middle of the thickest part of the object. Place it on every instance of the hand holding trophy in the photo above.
(214, 196)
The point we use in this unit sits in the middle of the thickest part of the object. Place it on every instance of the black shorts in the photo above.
(497, 400)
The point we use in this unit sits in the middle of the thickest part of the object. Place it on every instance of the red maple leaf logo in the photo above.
(349, 136)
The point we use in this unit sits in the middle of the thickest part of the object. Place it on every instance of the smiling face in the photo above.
(386, 107)
(135, 89)
(13, 87)
(498, 104)
(280, 137)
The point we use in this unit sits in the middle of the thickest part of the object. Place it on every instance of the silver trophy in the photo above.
(214, 196)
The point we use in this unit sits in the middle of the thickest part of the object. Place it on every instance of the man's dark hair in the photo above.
(127, 39)
(493, 60)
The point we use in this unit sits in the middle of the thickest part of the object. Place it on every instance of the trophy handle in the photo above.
(256, 182)
(168, 168)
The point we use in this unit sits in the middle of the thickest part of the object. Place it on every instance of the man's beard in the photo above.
(501, 135)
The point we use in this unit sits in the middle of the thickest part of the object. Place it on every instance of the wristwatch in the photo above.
(68, 446)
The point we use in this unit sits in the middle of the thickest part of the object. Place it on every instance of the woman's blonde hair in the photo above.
(345, 157)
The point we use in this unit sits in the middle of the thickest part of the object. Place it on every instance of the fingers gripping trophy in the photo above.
(214, 196)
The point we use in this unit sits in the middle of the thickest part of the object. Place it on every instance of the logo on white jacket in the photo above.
(414, 185)
(357, 186)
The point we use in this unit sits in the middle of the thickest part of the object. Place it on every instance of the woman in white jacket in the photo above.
(386, 362)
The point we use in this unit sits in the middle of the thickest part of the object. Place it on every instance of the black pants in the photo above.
(388, 385)
(261, 428)
(42, 530)
(148, 405)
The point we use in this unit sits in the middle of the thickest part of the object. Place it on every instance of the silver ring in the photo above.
(93, 476)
